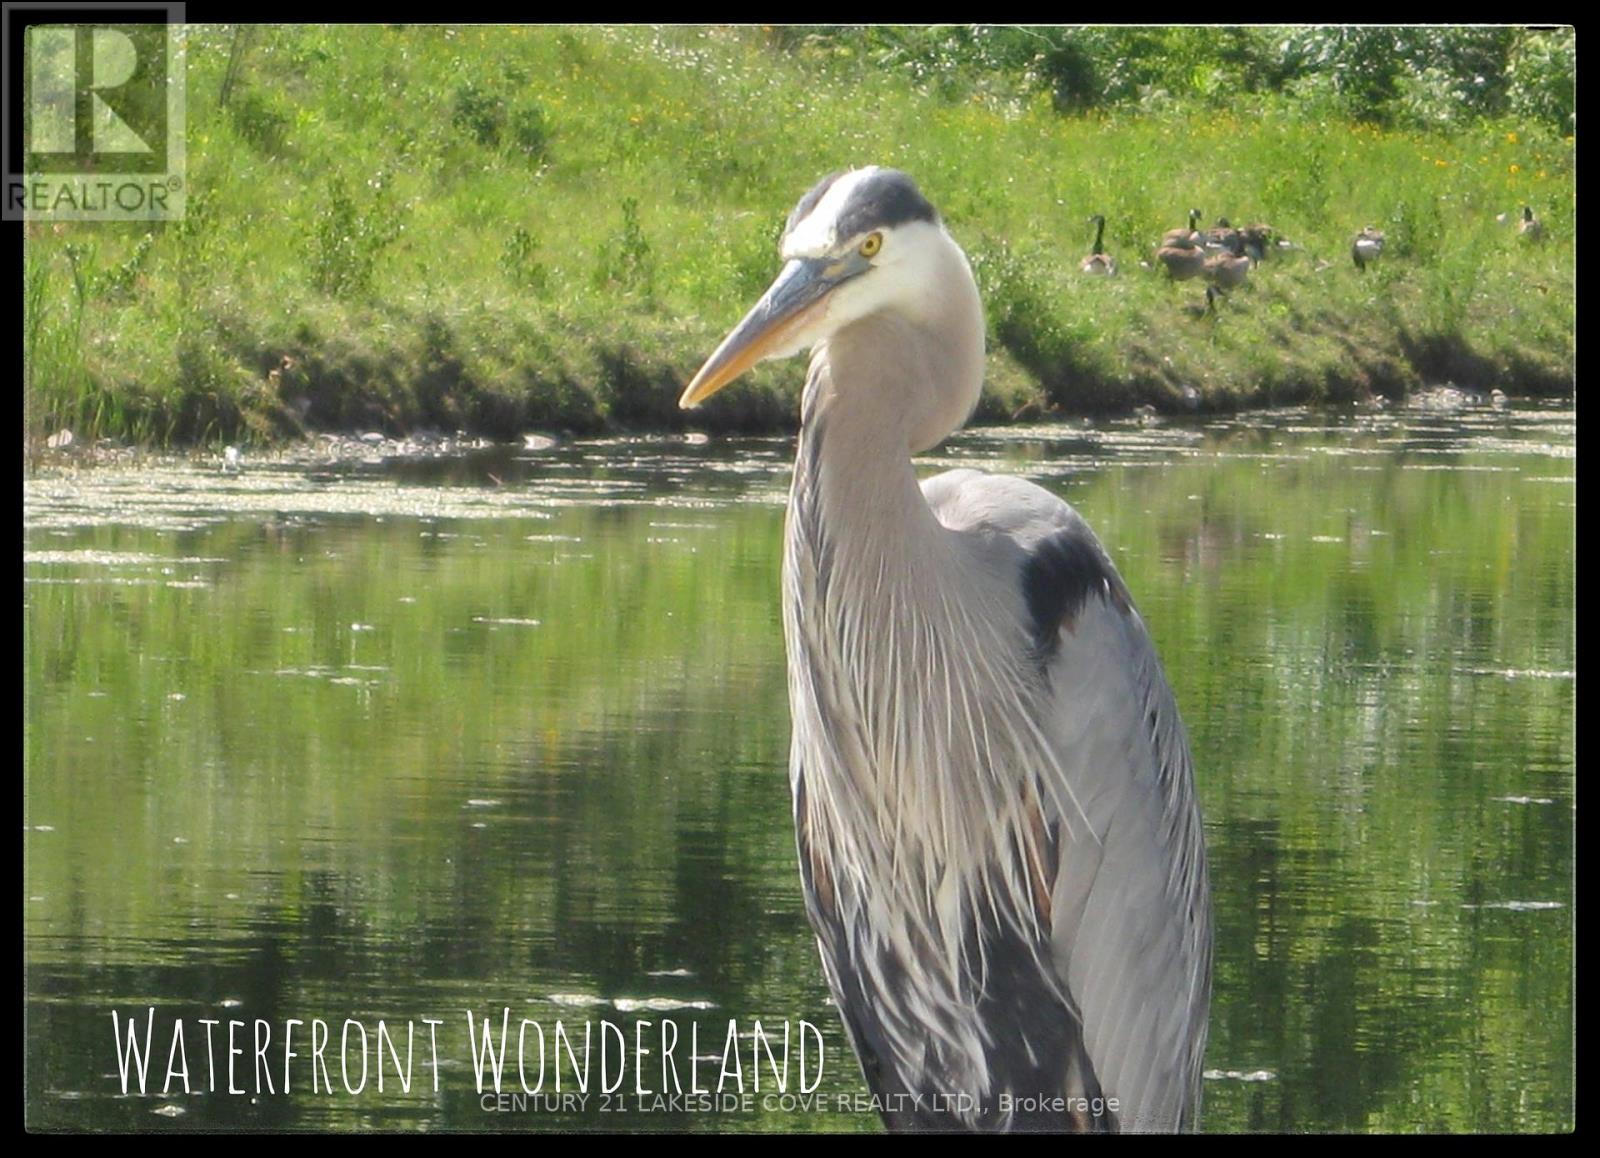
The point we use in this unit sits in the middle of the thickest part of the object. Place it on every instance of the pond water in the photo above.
(427, 741)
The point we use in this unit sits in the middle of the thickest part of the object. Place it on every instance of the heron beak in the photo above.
(769, 330)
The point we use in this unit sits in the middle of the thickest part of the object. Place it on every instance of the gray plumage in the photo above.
(997, 829)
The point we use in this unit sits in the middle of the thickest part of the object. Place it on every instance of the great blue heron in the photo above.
(998, 834)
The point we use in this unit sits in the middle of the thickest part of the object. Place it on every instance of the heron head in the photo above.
(857, 243)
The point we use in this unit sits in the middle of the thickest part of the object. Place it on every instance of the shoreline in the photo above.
(556, 239)
(340, 451)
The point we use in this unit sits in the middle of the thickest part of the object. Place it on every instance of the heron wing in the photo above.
(1121, 848)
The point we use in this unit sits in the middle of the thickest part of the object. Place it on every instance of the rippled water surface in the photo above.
(408, 740)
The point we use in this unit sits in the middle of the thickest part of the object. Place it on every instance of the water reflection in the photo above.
(403, 740)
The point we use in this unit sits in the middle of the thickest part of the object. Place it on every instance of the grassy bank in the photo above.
(501, 230)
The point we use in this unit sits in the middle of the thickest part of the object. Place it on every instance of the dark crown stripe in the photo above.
(882, 201)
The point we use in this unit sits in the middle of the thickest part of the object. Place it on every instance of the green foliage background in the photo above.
(496, 229)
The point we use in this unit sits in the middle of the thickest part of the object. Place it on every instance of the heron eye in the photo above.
(870, 247)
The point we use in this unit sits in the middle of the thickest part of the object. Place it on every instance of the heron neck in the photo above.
(888, 662)
(863, 415)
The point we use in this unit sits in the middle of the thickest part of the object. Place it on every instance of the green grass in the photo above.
(502, 229)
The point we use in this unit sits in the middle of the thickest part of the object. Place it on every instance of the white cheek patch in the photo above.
(818, 232)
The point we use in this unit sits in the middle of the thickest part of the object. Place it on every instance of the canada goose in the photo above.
(1183, 238)
(1366, 247)
(1258, 241)
(1099, 262)
(1531, 229)
(1182, 261)
(1227, 270)
(1222, 237)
